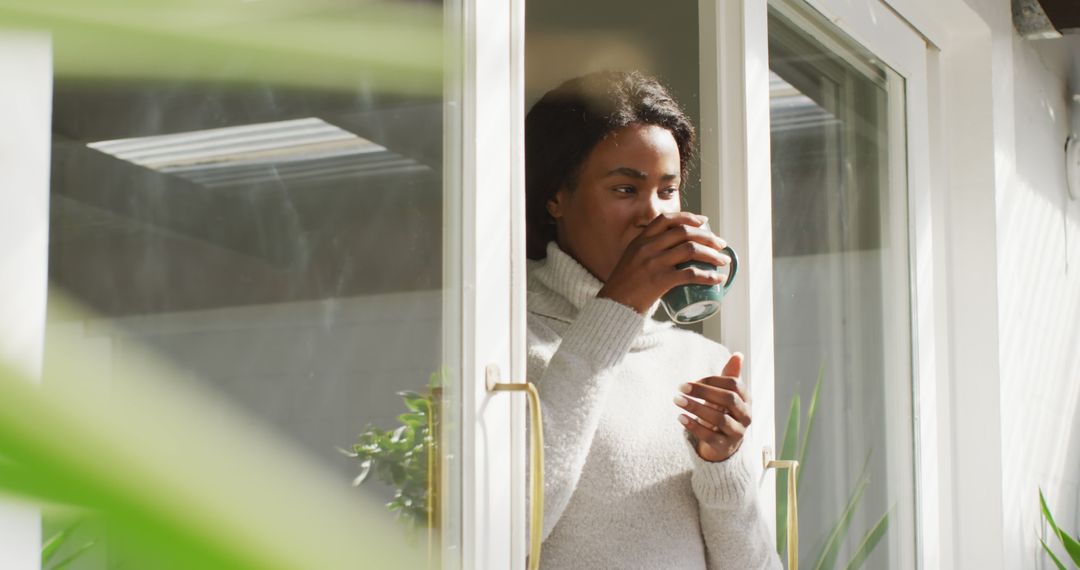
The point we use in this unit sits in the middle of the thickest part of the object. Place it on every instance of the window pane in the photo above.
(255, 192)
(841, 295)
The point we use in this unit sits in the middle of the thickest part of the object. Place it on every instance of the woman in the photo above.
(632, 481)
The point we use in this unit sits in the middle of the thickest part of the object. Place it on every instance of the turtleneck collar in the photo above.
(559, 286)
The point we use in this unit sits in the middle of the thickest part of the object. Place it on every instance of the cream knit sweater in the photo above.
(623, 488)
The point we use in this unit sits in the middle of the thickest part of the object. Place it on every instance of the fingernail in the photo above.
(684, 420)
(725, 260)
(679, 400)
(685, 388)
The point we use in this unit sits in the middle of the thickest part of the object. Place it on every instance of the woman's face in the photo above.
(627, 180)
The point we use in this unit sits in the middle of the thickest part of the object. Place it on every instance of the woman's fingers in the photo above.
(679, 234)
(723, 400)
(661, 223)
(695, 275)
(731, 428)
(728, 383)
(693, 251)
(729, 431)
(712, 416)
(716, 420)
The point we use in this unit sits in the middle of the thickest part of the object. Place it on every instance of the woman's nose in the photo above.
(650, 208)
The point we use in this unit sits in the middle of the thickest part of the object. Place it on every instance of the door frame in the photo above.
(492, 281)
(26, 108)
(735, 157)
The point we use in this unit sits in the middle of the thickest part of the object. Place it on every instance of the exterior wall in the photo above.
(1038, 280)
(1039, 306)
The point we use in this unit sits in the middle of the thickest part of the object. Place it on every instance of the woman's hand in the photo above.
(720, 409)
(646, 269)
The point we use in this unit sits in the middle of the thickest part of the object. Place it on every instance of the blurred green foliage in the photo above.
(182, 479)
(390, 47)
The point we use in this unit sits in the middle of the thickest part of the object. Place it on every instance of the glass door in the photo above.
(843, 292)
(279, 199)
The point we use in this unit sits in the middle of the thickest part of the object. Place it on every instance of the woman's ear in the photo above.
(557, 203)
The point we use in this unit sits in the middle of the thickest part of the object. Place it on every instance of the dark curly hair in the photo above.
(563, 127)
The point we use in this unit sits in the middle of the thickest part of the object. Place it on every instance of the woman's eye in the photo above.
(624, 189)
(669, 192)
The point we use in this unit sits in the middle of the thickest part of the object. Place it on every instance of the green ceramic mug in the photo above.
(692, 303)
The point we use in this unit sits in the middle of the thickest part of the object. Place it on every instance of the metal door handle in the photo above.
(793, 505)
(536, 457)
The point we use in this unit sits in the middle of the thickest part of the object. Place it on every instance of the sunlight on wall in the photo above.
(1039, 307)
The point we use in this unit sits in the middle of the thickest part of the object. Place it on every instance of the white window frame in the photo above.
(26, 110)
(493, 288)
(910, 36)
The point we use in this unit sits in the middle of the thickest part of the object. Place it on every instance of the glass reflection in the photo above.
(256, 192)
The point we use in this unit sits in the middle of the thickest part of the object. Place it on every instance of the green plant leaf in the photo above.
(1052, 556)
(869, 542)
(414, 419)
(826, 560)
(791, 431)
(56, 542)
(810, 414)
(417, 403)
(67, 560)
(787, 451)
(438, 378)
(1072, 546)
(365, 468)
(412, 400)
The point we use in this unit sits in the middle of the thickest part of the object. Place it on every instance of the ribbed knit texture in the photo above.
(623, 486)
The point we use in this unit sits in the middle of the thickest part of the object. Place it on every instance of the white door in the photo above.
(306, 208)
(830, 205)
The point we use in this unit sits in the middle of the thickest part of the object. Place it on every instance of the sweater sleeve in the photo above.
(572, 384)
(732, 523)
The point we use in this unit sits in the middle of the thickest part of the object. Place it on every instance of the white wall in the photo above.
(1039, 306)
(1038, 280)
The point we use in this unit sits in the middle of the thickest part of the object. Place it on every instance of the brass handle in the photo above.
(536, 454)
(793, 508)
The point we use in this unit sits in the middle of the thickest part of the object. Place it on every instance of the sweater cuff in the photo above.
(603, 331)
(723, 484)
